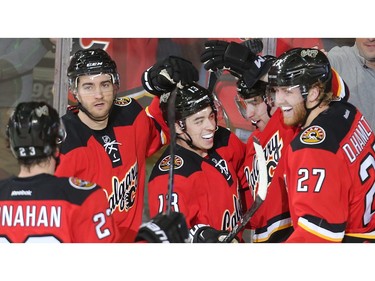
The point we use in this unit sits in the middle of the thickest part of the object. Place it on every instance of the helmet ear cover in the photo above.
(182, 124)
(34, 130)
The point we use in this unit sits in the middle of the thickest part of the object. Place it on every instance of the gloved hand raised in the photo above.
(238, 59)
(164, 75)
(164, 229)
(202, 233)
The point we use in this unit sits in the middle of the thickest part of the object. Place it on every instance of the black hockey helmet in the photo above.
(91, 62)
(259, 86)
(302, 67)
(245, 93)
(34, 130)
(190, 99)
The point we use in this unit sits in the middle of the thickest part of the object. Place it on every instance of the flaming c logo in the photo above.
(166, 162)
(313, 135)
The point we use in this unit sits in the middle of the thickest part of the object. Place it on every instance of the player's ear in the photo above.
(313, 94)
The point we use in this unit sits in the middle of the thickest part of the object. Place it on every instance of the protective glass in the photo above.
(91, 88)
(282, 89)
(242, 104)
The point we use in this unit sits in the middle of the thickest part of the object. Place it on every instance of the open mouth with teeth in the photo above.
(286, 108)
(209, 136)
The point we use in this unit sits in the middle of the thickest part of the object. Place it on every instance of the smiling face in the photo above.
(201, 128)
(292, 104)
(255, 110)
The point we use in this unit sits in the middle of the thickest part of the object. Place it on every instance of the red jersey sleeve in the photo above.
(318, 196)
(329, 175)
(271, 222)
(93, 221)
(187, 198)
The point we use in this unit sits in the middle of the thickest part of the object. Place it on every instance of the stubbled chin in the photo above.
(288, 118)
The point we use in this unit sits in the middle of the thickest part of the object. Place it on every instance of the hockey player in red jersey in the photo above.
(207, 163)
(271, 222)
(329, 165)
(38, 207)
(109, 137)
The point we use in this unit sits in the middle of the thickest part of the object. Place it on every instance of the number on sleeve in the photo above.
(101, 233)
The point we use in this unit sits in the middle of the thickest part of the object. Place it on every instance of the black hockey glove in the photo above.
(163, 76)
(238, 59)
(164, 229)
(202, 233)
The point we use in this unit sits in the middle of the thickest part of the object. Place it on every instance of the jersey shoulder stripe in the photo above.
(46, 187)
(221, 137)
(78, 134)
(186, 163)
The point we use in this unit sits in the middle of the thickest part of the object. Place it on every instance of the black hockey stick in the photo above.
(172, 146)
(172, 133)
(260, 197)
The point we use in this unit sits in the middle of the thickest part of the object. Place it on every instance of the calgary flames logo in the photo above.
(166, 162)
(313, 135)
(122, 101)
(81, 184)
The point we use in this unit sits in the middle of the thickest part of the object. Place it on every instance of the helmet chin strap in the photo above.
(96, 119)
(189, 141)
(84, 110)
(269, 108)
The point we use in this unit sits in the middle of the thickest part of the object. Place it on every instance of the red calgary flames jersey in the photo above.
(330, 176)
(114, 157)
(205, 190)
(44, 208)
(271, 221)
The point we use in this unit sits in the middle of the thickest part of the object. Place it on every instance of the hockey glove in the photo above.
(164, 76)
(164, 229)
(238, 59)
(202, 233)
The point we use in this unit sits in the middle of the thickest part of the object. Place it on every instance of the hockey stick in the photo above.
(260, 197)
(172, 146)
(172, 133)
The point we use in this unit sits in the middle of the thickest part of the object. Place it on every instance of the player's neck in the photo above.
(202, 153)
(314, 113)
(46, 167)
(92, 124)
